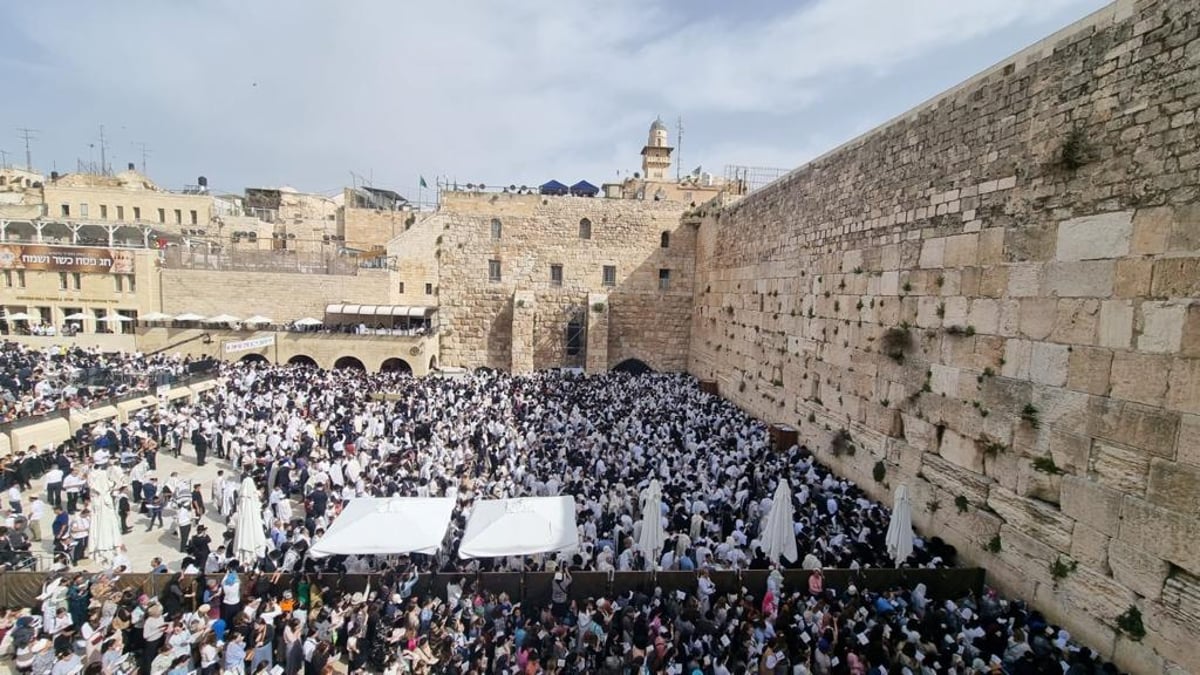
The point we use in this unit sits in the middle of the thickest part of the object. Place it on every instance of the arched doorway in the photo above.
(395, 365)
(432, 363)
(633, 367)
(348, 362)
(303, 361)
(253, 358)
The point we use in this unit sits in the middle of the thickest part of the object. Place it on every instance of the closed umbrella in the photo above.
(900, 532)
(104, 533)
(780, 532)
(652, 535)
(249, 539)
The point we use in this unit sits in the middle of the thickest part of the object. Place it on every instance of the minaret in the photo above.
(656, 156)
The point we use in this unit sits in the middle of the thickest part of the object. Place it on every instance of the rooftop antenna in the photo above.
(27, 135)
(679, 149)
(3, 159)
(145, 150)
(103, 153)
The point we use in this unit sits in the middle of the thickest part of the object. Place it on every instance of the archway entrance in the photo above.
(432, 363)
(253, 358)
(396, 365)
(348, 362)
(303, 361)
(633, 367)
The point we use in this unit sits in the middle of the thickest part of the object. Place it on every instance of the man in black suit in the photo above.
(123, 509)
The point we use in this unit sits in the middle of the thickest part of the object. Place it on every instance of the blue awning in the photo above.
(584, 189)
(553, 188)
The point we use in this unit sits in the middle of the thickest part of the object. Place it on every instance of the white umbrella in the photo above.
(258, 319)
(104, 533)
(900, 532)
(307, 321)
(250, 539)
(77, 316)
(652, 535)
(779, 533)
(222, 318)
(19, 316)
(156, 316)
(115, 318)
(188, 316)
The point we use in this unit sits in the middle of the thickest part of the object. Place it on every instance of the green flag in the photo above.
(423, 183)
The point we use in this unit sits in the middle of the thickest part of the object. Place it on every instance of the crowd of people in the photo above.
(38, 381)
(313, 440)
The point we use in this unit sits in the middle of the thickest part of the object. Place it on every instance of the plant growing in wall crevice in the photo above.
(1031, 415)
(879, 472)
(895, 343)
(1060, 569)
(1130, 623)
(961, 503)
(1076, 150)
(842, 443)
(994, 545)
(1046, 465)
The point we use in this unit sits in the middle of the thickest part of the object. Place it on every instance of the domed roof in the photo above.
(658, 125)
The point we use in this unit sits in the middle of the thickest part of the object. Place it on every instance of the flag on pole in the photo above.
(423, 183)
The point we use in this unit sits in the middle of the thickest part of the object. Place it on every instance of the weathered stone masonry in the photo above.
(998, 297)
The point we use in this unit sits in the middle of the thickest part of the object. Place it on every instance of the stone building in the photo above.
(994, 299)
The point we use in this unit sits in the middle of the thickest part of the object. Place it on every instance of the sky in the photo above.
(307, 93)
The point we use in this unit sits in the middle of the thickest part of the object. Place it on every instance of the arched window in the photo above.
(666, 240)
(585, 229)
(496, 228)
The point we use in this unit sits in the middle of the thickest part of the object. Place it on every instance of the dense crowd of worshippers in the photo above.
(313, 440)
(34, 382)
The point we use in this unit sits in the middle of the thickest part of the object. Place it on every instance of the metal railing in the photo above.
(283, 261)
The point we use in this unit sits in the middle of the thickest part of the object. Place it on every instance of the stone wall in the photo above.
(996, 297)
(366, 229)
(642, 320)
(282, 297)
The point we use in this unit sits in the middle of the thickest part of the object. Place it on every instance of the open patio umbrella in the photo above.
(900, 532)
(115, 318)
(77, 316)
(307, 321)
(258, 319)
(652, 535)
(779, 533)
(188, 316)
(222, 318)
(156, 316)
(249, 539)
(104, 533)
(19, 316)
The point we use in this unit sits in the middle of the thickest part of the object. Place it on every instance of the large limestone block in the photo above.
(1088, 369)
(1190, 340)
(1132, 278)
(1139, 377)
(1116, 323)
(1161, 326)
(961, 250)
(1184, 385)
(933, 252)
(1037, 317)
(1147, 428)
(1048, 363)
(955, 479)
(1189, 439)
(1151, 229)
(984, 315)
(1024, 280)
(1157, 531)
(1123, 469)
(1087, 279)
(1089, 547)
(1040, 521)
(1174, 486)
(962, 451)
(1093, 504)
(1077, 321)
(1176, 277)
(1137, 570)
(1106, 235)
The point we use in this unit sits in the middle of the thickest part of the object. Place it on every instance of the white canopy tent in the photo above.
(189, 316)
(156, 316)
(257, 320)
(504, 527)
(307, 321)
(387, 526)
(222, 318)
(378, 310)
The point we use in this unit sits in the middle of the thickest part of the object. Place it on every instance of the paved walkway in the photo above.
(142, 546)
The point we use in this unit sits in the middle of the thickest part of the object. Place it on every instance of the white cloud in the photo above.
(268, 92)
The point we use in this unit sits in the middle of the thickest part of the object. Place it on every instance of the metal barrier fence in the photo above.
(231, 260)
(20, 589)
